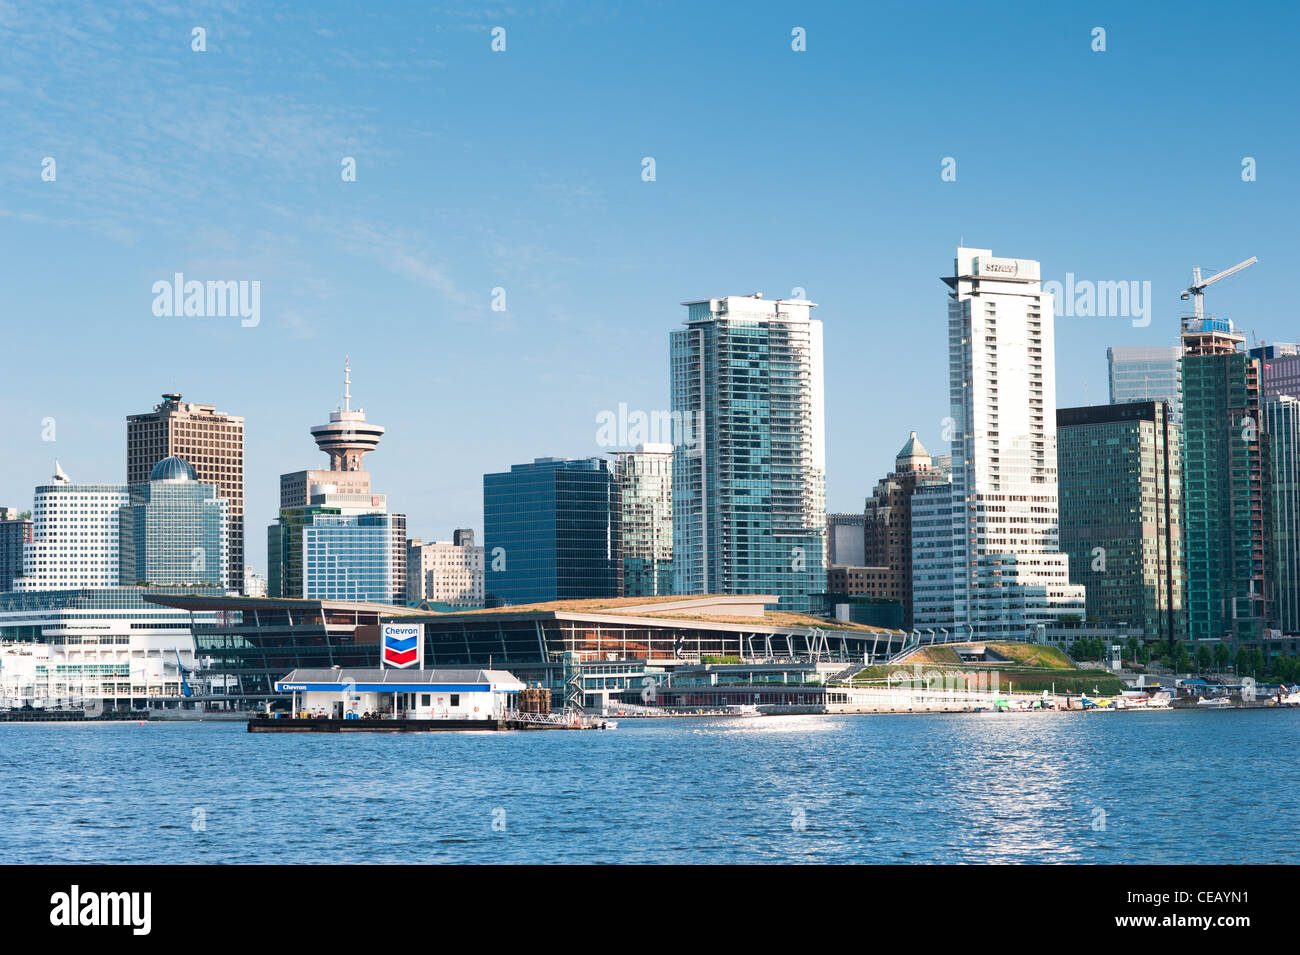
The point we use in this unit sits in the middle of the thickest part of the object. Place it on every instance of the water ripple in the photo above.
(963, 788)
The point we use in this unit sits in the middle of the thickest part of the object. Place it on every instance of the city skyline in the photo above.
(594, 449)
(552, 208)
(662, 434)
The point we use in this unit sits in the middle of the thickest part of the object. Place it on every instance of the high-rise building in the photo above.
(1280, 363)
(1008, 575)
(341, 491)
(644, 479)
(338, 547)
(856, 580)
(1121, 513)
(74, 536)
(1226, 514)
(211, 441)
(551, 531)
(749, 461)
(78, 638)
(1282, 425)
(446, 573)
(346, 440)
(888, 520)
(350, 557)
(15, 535)
(173, 531)
(296, 486)
(1147, 374)
(845, 540)
(933, 542)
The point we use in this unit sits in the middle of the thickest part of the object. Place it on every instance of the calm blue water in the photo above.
(1173, 787)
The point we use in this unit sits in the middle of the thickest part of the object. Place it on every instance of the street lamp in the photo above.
(945, 634)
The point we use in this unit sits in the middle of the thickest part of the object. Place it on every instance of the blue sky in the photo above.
(775, 169)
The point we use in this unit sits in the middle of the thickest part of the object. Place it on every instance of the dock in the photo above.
(509, 721)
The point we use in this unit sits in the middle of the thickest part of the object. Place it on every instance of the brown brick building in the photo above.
(889, 526)
(211, 441)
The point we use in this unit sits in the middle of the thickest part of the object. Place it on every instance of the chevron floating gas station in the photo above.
(400, 696)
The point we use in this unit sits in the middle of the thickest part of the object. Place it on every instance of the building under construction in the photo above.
(1226, 489)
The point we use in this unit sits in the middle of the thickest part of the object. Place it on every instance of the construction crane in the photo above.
(1196, 291)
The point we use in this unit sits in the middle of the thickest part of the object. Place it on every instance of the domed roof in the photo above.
(173, 469)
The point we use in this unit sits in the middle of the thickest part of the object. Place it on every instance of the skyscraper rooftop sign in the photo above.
(401, 646)
(1020, 270)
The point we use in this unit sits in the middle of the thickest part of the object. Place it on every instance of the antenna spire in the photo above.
(347, 383)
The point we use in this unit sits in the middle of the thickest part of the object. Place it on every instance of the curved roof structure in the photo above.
(173, 469)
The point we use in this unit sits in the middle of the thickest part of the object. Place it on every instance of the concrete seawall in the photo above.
(883, 700)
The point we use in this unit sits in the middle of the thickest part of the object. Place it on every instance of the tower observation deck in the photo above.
(348, 437)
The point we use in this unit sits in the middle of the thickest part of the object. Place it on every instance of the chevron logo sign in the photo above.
(401, 645)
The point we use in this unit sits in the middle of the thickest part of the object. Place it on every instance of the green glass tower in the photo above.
(175, 530)
(1227, 507)
(749, 455)
(1282, 425)
(1121, 513)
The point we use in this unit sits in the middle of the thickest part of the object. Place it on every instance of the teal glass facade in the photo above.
(1226, 504)
(551, 532)
(320, 553)
(749, 493)
(348, 557)
(1121, 513)
(1282, 424)
(15, 534)
(174, 532)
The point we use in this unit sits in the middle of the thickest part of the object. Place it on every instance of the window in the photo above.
(424, 699)
(455, 699)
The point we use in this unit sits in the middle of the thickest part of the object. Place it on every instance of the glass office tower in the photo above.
(340, 547)
(348, 557)
(15, 535)
(551, 532)
(749, 458)
(1282, 424)
(1147, 374)
(1121, 513)
(175, 531)
(645, 489)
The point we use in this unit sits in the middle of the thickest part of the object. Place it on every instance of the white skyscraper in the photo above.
(74, 535)
(1006, 569)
